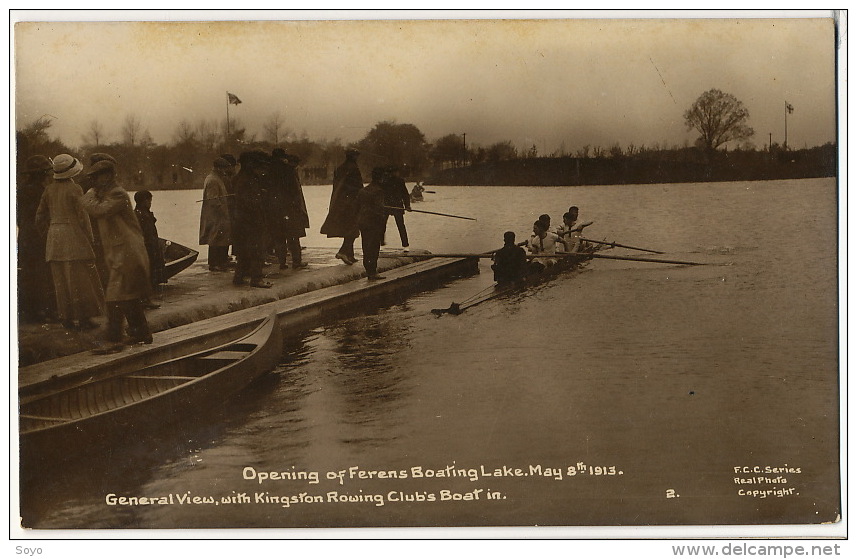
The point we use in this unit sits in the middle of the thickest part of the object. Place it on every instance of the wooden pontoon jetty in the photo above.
(202, 309)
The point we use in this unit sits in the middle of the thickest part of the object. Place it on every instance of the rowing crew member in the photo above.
(510, 262)
(542, 242)
(570, 231)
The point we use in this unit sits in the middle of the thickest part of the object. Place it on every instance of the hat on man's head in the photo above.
(293, 159)
(103, 166)
(254, 157)
(352, 152)
(66, 166)
(39, 163)
(96, 157)
(378, 173)
(230, 158)
(221, 163)
(279, 153)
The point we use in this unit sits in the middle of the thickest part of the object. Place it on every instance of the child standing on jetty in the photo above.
(147, 220)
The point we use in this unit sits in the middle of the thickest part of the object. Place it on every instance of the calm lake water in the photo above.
(701, 395)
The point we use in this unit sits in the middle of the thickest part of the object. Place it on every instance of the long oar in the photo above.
(433, 213)
(216, 197)
(556, 255)
(614, 244)
(635, 258)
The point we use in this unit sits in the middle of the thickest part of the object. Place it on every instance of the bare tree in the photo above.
(184, 133)
(208, 133)
(95, 134)
(583, 153)
(131, 129)
(275, 129)
(719, 117)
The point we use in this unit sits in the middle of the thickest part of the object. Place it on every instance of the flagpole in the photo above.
(227, 120)
(786, 122)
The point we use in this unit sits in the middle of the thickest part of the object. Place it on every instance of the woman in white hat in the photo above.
(68, 247)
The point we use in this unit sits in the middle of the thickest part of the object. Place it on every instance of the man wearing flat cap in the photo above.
(342, 213)
(249, 232)
(109, 205)
(86, 184)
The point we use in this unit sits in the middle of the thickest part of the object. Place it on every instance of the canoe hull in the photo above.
(176, 257)
(98, 413)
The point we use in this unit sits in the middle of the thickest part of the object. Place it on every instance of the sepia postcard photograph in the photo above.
(528, 274)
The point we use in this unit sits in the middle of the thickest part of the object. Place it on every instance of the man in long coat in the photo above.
(342, 214)
(215, 222)
(372, 220)
(109, 205)
(294, 206)
(249, 232)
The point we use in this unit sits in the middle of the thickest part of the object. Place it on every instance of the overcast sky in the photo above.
(554, 83)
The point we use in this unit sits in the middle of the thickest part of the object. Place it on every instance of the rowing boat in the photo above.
(562, 264)
(97, 410)
(176, 257)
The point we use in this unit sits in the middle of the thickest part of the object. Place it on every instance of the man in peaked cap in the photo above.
(109, 205)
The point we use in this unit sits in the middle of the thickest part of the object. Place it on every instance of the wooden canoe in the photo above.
(146, 398)
(176, 257)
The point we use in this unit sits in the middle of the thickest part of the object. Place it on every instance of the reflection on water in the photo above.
(673, 374)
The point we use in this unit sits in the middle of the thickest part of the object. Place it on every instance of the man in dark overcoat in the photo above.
(249, 232)
(396, 195)
(342, 213)
(294, 204)
(372, 220)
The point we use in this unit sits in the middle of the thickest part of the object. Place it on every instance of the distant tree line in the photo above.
(688, 164)
(183, 162)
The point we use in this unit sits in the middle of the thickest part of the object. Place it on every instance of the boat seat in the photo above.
(226, 355)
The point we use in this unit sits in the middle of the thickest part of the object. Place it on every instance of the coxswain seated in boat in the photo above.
(542, 242)
(510, 262)
(417, 193)
(571, 231)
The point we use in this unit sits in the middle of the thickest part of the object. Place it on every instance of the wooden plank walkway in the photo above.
(302, 310)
